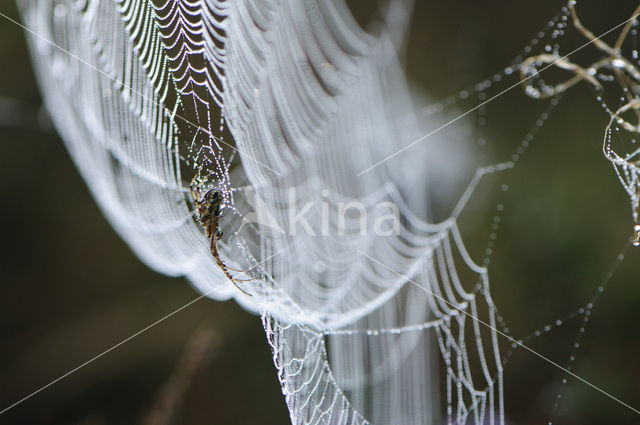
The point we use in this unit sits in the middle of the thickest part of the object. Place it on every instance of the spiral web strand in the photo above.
(279, 104)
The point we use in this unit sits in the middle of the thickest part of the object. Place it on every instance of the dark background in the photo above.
(70, 288)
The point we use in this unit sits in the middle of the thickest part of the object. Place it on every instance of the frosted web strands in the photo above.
(626, 167)
(613, 67)
(169, 90)
(134, 150)
(469, 399)
(131, 150)
(549, 60)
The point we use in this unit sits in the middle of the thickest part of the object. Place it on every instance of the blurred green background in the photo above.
(71, 288)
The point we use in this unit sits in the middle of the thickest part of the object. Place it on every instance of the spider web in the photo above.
(285, 106)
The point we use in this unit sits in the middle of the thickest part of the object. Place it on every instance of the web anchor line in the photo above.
(124, 341)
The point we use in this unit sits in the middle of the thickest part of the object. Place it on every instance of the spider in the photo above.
(209, 214)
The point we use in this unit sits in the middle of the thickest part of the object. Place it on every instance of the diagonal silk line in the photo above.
(141, 331)
(494, 97)
(520, 344)
(217, 139)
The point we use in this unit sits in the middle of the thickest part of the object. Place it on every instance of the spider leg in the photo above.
(233, 280)
(242, 280)
(234, 270)
(241, 290)
(195, 193)
(224, 268)
(215, 242)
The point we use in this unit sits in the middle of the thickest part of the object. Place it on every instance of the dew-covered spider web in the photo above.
(334, 177)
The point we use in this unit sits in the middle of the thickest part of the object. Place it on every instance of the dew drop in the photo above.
(618, 63)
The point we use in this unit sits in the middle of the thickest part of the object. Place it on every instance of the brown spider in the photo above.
(209, 214)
